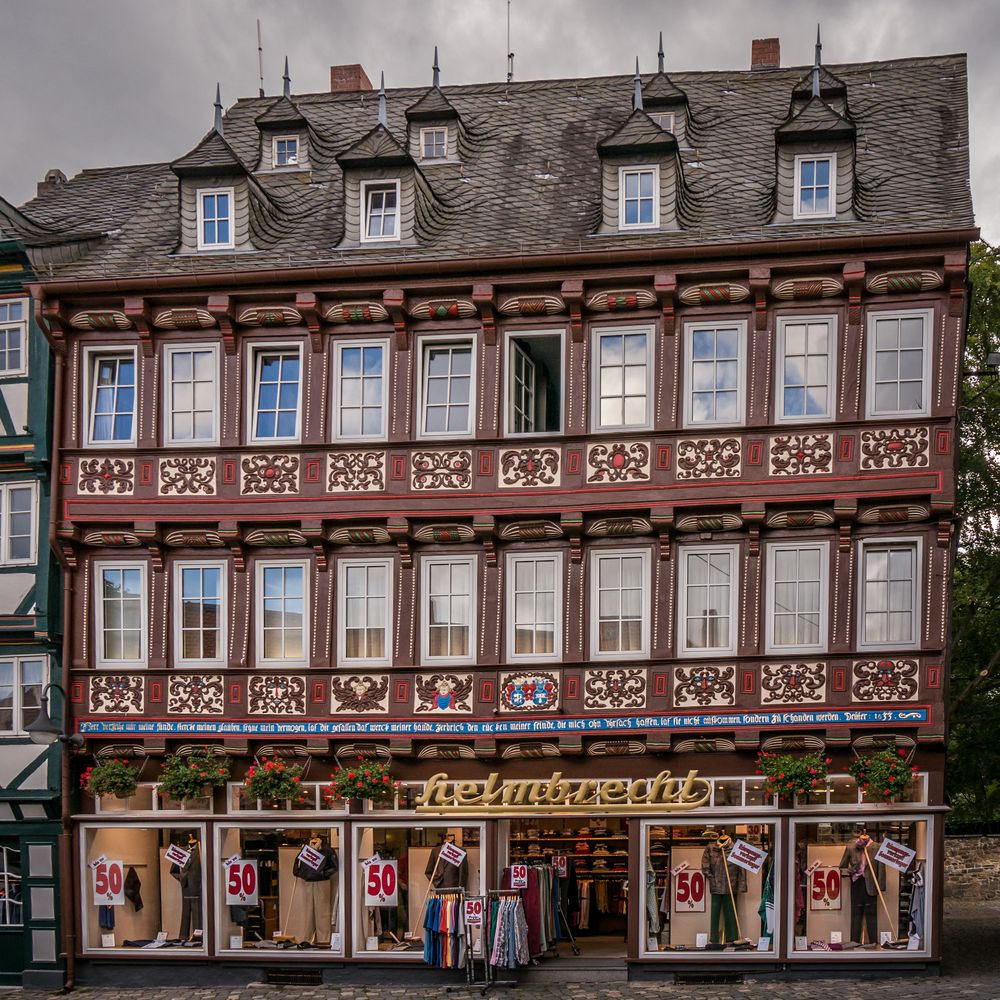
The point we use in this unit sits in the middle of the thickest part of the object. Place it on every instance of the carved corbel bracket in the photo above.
(313, 530)
(137, 310)
(49, 316)
(945, 527)
(854, 282)
(954, 272)
(156, 556)
(572, 293)
(306, 304)
(845, 510)
(572, 526)
(753, 517)
(394, 300)
(220, 308)
(485, 527)
(665, 286)
(69, 553)
(760, 284)
(483, 297)
(239, 554)
(399, 532)
(662, 520)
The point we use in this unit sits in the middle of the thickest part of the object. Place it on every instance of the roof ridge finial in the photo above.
(217, 124)
(817, 59)
(659, 55)
(287, 88)
(381, 102)
(436, 78)
(637, 93)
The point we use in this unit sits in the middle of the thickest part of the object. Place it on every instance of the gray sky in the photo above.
(91, 83)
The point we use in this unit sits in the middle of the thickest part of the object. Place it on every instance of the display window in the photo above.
(401, 882)
(709, 888)
(859, 886)
(279, 888)
(142, 887)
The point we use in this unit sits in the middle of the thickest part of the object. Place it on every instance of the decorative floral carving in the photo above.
(195, 694)
(444, 534)
(894, 448)
(621, 462)
(615, 687)
(116, 694)
(187, 476)
(442, 693)
(442, 470)
(124, 538)
(705, 523)
(530, 531)
(704, 685)
(801, 454)
(618, 527)
(186, 538)
(355, 312)
(527, 467)
(107, 475)
(711, 295)
(529, 692)
(360, 535)
(793, 683)
(274, 537)
(360, 694)
(355, 472)
(885, 680)
(709, 458)
(270, 474)
(277, 694)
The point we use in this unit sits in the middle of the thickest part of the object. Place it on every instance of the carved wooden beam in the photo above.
(394, 300)
(760, 283)
(954, 272)
(399, 531)
(572, 292)
(845, 510)
(485, 527)
(485, 301)
(854, 282)
(49, 316)
(305, 303)
(665, 286)
(662, 519)
(220, 308)
(137, 310)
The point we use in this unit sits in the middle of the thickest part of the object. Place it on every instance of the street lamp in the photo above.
(44, 731)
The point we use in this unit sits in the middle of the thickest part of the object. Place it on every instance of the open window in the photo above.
(534, 383)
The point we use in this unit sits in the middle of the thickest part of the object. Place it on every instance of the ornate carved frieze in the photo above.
(360, 694)
(524, 468)
(100, 319)
(704, 685)
(532, 305)
(621, 462)
(904, 282)
(706, 523)
(895, 514)
(895, 448)
(709, 458)
(618, 527)
(806, 288)
(614, 688)
(360, 535)
(793, 683)
(193, 538)
(269, 475)
(444, 534)
(799, 519)
(530, 531)
(355, 312)
(718, 293)
(183, 318)
(116, 694)
(269, 316)
(442, 693)
(441, 470)
(276, 694)
(355, 472)
(801, 454)
(621, 300)
(127, 539)
(529, 691)
(443, 309)
(884, 680)
(195, 694)
(187, 476)
(616, 748)
(106, 476)
(275, 537)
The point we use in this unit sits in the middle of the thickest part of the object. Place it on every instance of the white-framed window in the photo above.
(623, 377)
(447, 388)
(381, 211)
(200, 609)
(282, 611)
(364, 611)
(360, 372)
(14, 337)
(18, 523)
(276, 393)
(111, 388)
(534, 382)
(534, 606)
(807, 349)
(191, 394)
(22, 680)
(638, 197)
(665, 119)
(715, 373)
(619, 603)
(815, 186)
(899, 363)
(448, 609)
(285, 150)
(797, 575)
(708, 587)
(889, 593)
(122, 613)
(433, 143)
(215, 219)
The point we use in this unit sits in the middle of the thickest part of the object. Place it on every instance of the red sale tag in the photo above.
(473, 910)
(689, 891)
(381, 886)
(561, 863)
(241, 883)
(109, 883)
(519, 876)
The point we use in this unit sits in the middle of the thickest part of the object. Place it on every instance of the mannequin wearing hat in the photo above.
(858, 863)
(189, 877)
(723, 880)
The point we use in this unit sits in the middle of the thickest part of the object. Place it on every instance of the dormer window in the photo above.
(665, 119)
(815, 186)
(381, 203)
(215, 219)
(285, 150)
(638, 188)
(433, 143)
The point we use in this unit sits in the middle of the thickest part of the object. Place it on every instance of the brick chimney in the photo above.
(765, 53)
(54, 179)
(349, 79)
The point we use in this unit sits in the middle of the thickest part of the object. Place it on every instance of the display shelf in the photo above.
(616, 836)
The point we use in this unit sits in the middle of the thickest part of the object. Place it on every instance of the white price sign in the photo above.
(367, 862)
(451, 853)
(689, 890)
(747, 856)
(177, 855)
(241, 883)
(895, 855)
(473, 911)
(310, 857)
(109, 883)
(380, 883)
(824, 888)
(519, 876)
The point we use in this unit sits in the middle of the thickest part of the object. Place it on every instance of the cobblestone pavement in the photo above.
(971, 972)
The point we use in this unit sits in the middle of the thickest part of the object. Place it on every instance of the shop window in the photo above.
(280, 884)
(142, 888)
(534, 383)
(709, 889)
(409, 862)
(449, 611)
(534, 606)
(364, 589)
(861, 884)
(619, 604)
(11, 906)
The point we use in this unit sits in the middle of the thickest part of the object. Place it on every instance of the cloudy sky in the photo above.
(91, 83)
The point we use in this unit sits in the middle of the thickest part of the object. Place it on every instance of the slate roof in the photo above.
(817, 120)
(662, 92)
(212, 155)
(282, 112)
(433, 106)
(639, 134)
(379, 146)
(529, 180)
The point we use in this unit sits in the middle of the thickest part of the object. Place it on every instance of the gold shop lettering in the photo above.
(559, 794)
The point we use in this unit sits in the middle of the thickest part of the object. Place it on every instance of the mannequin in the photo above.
(714, 865)
(864, 893)
(189, 877)
(448, 876)
(315, 892)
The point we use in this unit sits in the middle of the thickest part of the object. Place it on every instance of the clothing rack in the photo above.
(489, 970)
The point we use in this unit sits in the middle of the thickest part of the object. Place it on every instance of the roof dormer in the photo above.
(665, 102)
(433, 125)
(284, 135)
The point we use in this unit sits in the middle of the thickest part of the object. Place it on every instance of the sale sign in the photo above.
(109, 883)
(824, 887)
(368, 862)
(241, 883)
(895, 855)
(473, 911)
(310, 857)
(519, 876)
(451, 853)
(381, 883)
(177, 855)
(748, 857)
(561, 864)
(689, 891)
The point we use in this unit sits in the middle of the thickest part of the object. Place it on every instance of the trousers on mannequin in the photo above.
(722, 907)
(864, 912)
(316, 901)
